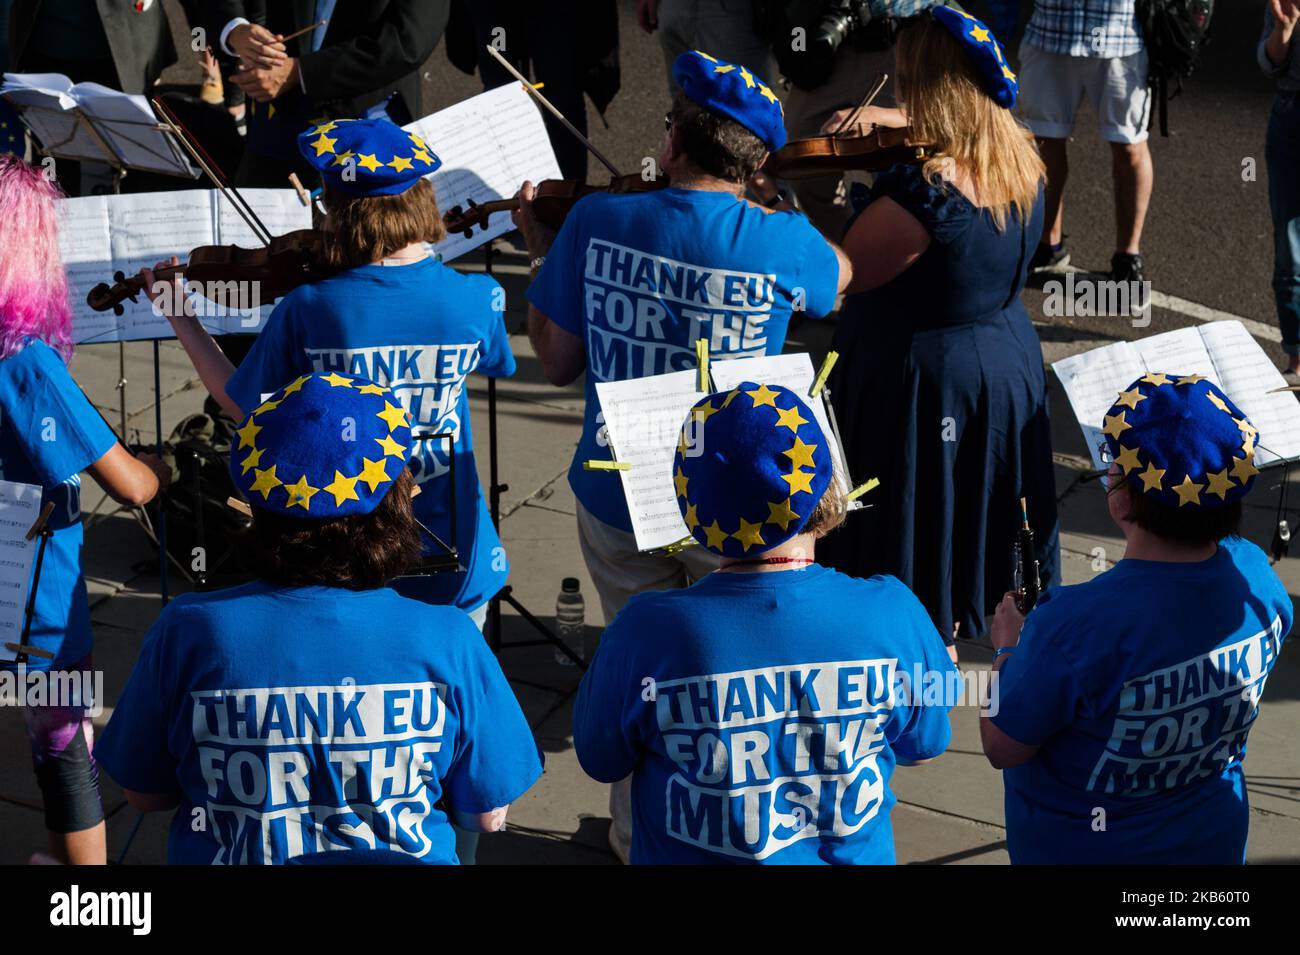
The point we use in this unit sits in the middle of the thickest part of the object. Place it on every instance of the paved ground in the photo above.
(1208, 243)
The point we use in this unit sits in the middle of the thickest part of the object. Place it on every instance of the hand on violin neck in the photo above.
(167, 295)
(537, 236)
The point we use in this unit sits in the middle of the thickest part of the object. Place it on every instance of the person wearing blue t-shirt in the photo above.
(1122, 707)
(762, 711)
(49, 434)
(633, 281)
(316, 709)
(393, 314)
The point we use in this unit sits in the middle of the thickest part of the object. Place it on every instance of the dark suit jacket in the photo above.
(141, 42)
(372, 48)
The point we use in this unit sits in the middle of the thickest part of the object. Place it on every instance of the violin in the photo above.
(286, 262)
(882, 147)
(554, 199)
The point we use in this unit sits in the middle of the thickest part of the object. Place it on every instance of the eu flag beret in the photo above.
(323, 446)
(367, 157)
(985, 53)
(751, 467)
(734, 92)
(1180, 440)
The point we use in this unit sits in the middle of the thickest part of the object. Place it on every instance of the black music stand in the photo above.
(495, 490)
(22, 649)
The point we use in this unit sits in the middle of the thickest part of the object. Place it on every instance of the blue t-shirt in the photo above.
(641, 277)
(49, 434)
(1140, 687)
(420, 329)
(762, 715)
(299, 720)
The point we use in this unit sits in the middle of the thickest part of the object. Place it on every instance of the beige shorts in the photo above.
(1053, 85)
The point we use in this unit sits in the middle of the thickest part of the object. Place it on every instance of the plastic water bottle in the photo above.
(569, 622)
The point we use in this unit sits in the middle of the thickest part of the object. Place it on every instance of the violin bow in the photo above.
(537, 95)
(211, 170)
(881, 80)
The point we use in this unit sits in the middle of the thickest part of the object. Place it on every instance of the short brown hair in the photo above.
(714, 143)
(1194, 526)
(830, 510)
(364, 229)
(357, 552)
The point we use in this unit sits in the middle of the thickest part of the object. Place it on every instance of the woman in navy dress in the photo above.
(940, 390)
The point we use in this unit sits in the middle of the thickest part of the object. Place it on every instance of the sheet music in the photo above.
(20, 505)
(1224, 352)
(123, 121)
(100, 235)
(794, 371)
(644, 418)
(489, 144)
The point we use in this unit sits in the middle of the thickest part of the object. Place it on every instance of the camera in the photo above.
(838, 22)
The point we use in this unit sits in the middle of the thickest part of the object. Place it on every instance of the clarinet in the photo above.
(1027, 583)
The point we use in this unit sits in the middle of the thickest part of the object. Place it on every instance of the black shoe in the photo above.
(1045, 260)
(1127, 268)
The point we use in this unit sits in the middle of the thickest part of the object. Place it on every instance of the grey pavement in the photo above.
(949, 811)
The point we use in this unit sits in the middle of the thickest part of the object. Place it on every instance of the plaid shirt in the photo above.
(1099, 28)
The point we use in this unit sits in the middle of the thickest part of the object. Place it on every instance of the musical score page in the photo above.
(489, 144)
(1223, 352)
(20, 505)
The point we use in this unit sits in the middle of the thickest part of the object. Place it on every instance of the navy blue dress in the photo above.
(940, 392)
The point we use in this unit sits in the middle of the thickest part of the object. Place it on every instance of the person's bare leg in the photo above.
(87, 847)
(1134, 177)
(1057, 161)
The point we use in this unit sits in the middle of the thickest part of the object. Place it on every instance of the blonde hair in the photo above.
(948, 108)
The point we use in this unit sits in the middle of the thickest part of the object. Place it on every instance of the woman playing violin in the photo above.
(940, 389)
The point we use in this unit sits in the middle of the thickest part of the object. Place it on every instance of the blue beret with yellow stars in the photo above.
(985, 53)
(751, 466)
(321, 447)
(1180, 440)
(367, 157)
(733, 91)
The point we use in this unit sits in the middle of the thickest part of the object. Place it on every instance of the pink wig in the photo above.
(33, 285)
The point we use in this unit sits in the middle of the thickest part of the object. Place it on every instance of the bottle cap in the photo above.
(570, 585)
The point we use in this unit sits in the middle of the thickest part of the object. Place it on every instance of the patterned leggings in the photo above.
(62, 741)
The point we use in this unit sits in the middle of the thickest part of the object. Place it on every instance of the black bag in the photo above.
(1175, 33)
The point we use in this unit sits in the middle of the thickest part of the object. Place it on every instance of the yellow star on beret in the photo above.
(799, 480)
(692, 517)
(1006, 71)
(394, 415)
(391, 447)
(265, 481)
(423, 156)
(765, 91)
(336, 380)
(748, 77)
(1189, 492)
(248, 434)
(1243, 469)
(716, 535)
(342, 158)
(749, 534)
(1220, 483)
(763, 395)
(1152, 478)
(1114, 425)
(324, 145)
(296, 384)
(373, 390)
(1128, 459)
(369, 162)
(723, 67)
(1190, 379)
(781, 513)
(790, 418)
(343, 488)
(801, 454)
(374, 473)
(1217, 402)
(703, 412)
(253, 460)
(680, 481)
(266, 406)
(1130, 399)
(980, 34)
(1157, 378)
(399, 163)
(731, 396)
(300, 493)
(325, 128)
(1245, 427)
